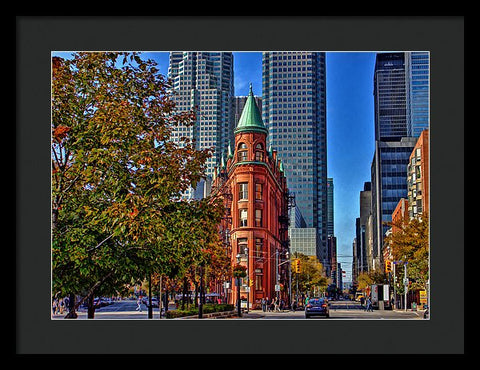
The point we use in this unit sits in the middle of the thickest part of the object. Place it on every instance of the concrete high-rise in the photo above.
(203, 82)
(294, 110)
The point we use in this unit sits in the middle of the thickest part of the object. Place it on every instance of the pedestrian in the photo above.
(276, 308)
(264, 305)
(54, 306)
(139, 305)
(67, 303)
(282, 305)
(369, 305)
(272, 304)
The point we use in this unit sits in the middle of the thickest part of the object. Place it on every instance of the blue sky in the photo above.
(350, 129)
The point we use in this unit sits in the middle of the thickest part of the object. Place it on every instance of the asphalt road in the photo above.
(339, 310)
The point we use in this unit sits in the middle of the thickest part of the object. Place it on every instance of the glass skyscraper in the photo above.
(417, 74)
(203, 81)
(294, 111)
(401, 99)
(390, 95)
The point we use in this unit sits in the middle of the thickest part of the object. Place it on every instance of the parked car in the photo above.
(154, 301)
(317, 307)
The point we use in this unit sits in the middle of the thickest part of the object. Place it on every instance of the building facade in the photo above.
(419, 178)
(330, 208)
(417, 74)
(203, 83)
(389, 185)
(252, 183)
(294, 111)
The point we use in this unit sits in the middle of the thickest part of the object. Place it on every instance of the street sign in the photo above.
(423, 297)
(277, 287)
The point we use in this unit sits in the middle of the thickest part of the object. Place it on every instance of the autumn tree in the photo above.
(312, 276)
(366, 279)
(410, 244)
(117, 176)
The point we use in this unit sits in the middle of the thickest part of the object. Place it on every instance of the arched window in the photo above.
(242, 152)
(259, 153)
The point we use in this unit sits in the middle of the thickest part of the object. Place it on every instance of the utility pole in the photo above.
(150, 309)
(394, 286)
(405, 281)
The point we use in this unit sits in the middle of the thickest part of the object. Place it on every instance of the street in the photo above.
(339, 310)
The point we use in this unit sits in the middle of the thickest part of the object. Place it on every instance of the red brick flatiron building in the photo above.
(253, 185)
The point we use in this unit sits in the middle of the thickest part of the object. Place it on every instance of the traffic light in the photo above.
(388, 266)
(296, 265)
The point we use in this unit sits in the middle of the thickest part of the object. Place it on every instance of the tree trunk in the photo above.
(184, 293)
(91, 307)
(71, 307)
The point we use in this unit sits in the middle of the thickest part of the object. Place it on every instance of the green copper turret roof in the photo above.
(251, 119)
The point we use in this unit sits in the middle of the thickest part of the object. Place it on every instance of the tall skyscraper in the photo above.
(417, 74)
(294, 110)
(401, 93)
(390, 95)
(203, 82)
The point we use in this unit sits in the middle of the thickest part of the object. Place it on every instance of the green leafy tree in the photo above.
(115, 172)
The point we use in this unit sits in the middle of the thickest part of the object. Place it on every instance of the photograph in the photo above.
(249, 185)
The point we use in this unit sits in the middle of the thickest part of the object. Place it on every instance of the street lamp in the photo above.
(248, 281)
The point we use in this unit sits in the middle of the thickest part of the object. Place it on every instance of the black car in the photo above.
(318, 307)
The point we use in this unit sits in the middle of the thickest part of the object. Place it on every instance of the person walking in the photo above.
(276, 308)
(369, 305)
(139, 305)
(264, 305)
(54, 306)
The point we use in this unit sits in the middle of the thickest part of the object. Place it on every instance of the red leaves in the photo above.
(133, 214)
(60, 132)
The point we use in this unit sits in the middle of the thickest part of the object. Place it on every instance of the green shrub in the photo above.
(207, 308)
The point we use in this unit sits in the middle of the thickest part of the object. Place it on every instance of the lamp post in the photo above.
(287, 255)
(248, 281)
(405, 282)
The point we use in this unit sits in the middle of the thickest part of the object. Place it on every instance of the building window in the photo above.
(242, 152)
(259, 153)
(258, 247)
(258, 191)
(243, 217)
(258, 282)
(258, 218)
(242, 246)
(243, 191)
